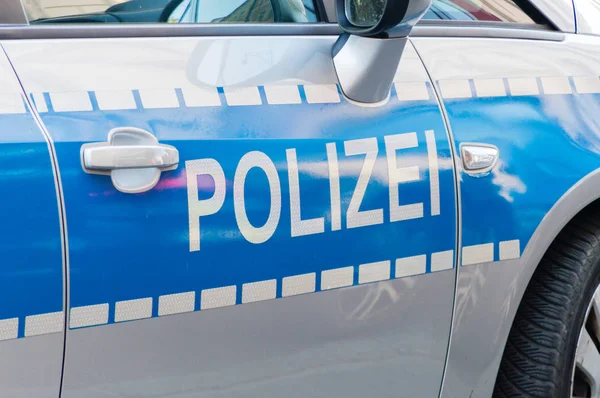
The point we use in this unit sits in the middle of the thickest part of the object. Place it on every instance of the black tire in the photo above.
(540, 351)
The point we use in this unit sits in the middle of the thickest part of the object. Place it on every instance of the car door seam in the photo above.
(456, 168)
(61, 210)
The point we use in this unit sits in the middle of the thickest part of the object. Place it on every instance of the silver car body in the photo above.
(417, 305)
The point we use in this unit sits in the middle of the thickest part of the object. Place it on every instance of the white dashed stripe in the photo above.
(200, 96)
(442, 261)
(412, 91)
(489, 87)
(170, 304)
(130, 310)
(455, 88)
(75, 101)
(478, 254)
(510, 249)
(523, 86)
(40, 102)
(115, 100)
(239, 96)
(278, 95)
(9, 329)
(299, 284)
(290, 94)
(259, 291)
(218, 297)
(336, 278)
(159, 98)
(256, 291)
(410, 266)
(556, 85)
(374, 272)
(52, 322)
(88, 315)
(11, 104)
(587, 84)
(321, 93)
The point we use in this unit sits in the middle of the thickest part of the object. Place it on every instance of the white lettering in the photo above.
(334, 187)
(354, 217)
(254, 234)
(198, 208)
(299, 227)
(398, 175)
(434, 178)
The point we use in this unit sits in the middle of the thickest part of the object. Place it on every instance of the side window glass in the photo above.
(170, 11)
(477, 10)
(311, 12)
(227, 11)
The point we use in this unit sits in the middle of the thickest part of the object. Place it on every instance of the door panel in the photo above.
(319, 194)
(538, 102)
(31, 270)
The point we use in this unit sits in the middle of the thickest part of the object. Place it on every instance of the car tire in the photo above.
(544, 341)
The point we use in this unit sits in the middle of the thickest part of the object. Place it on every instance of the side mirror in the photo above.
(367, 55)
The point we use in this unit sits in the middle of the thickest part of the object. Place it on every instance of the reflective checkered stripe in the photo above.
(329, 279)
(35, 325)
(485, 253)
(168, 98)
(518, 86)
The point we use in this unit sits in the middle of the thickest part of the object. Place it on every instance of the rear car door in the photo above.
(304, 243)
(31, 264)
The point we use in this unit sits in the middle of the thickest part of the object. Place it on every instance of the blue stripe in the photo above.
(94, 101)
(263, 95)
(180, 98)
(302, 94)
(30, 248)
(161, 263)
(138, 99)
(222, 97)
(49, 104)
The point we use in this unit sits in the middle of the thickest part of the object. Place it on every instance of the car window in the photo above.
(230, 11)
(477, 10)
(170, 11)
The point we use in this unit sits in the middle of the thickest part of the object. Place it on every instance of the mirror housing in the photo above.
(366, 57)
(396, 19)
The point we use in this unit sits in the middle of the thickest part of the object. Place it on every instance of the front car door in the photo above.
(516, 77)
(304, 245)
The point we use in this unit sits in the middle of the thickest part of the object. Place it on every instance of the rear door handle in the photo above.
(132, 157)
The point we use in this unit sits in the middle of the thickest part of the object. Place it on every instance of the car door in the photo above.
(527, 86)
(304, 244)
(32, 316)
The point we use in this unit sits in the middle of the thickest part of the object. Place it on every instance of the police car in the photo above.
(263, 198)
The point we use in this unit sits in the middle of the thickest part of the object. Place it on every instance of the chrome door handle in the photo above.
(478, 159)
(132, 157)
(108, 157)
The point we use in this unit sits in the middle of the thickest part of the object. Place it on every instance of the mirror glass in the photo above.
(364, 13)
